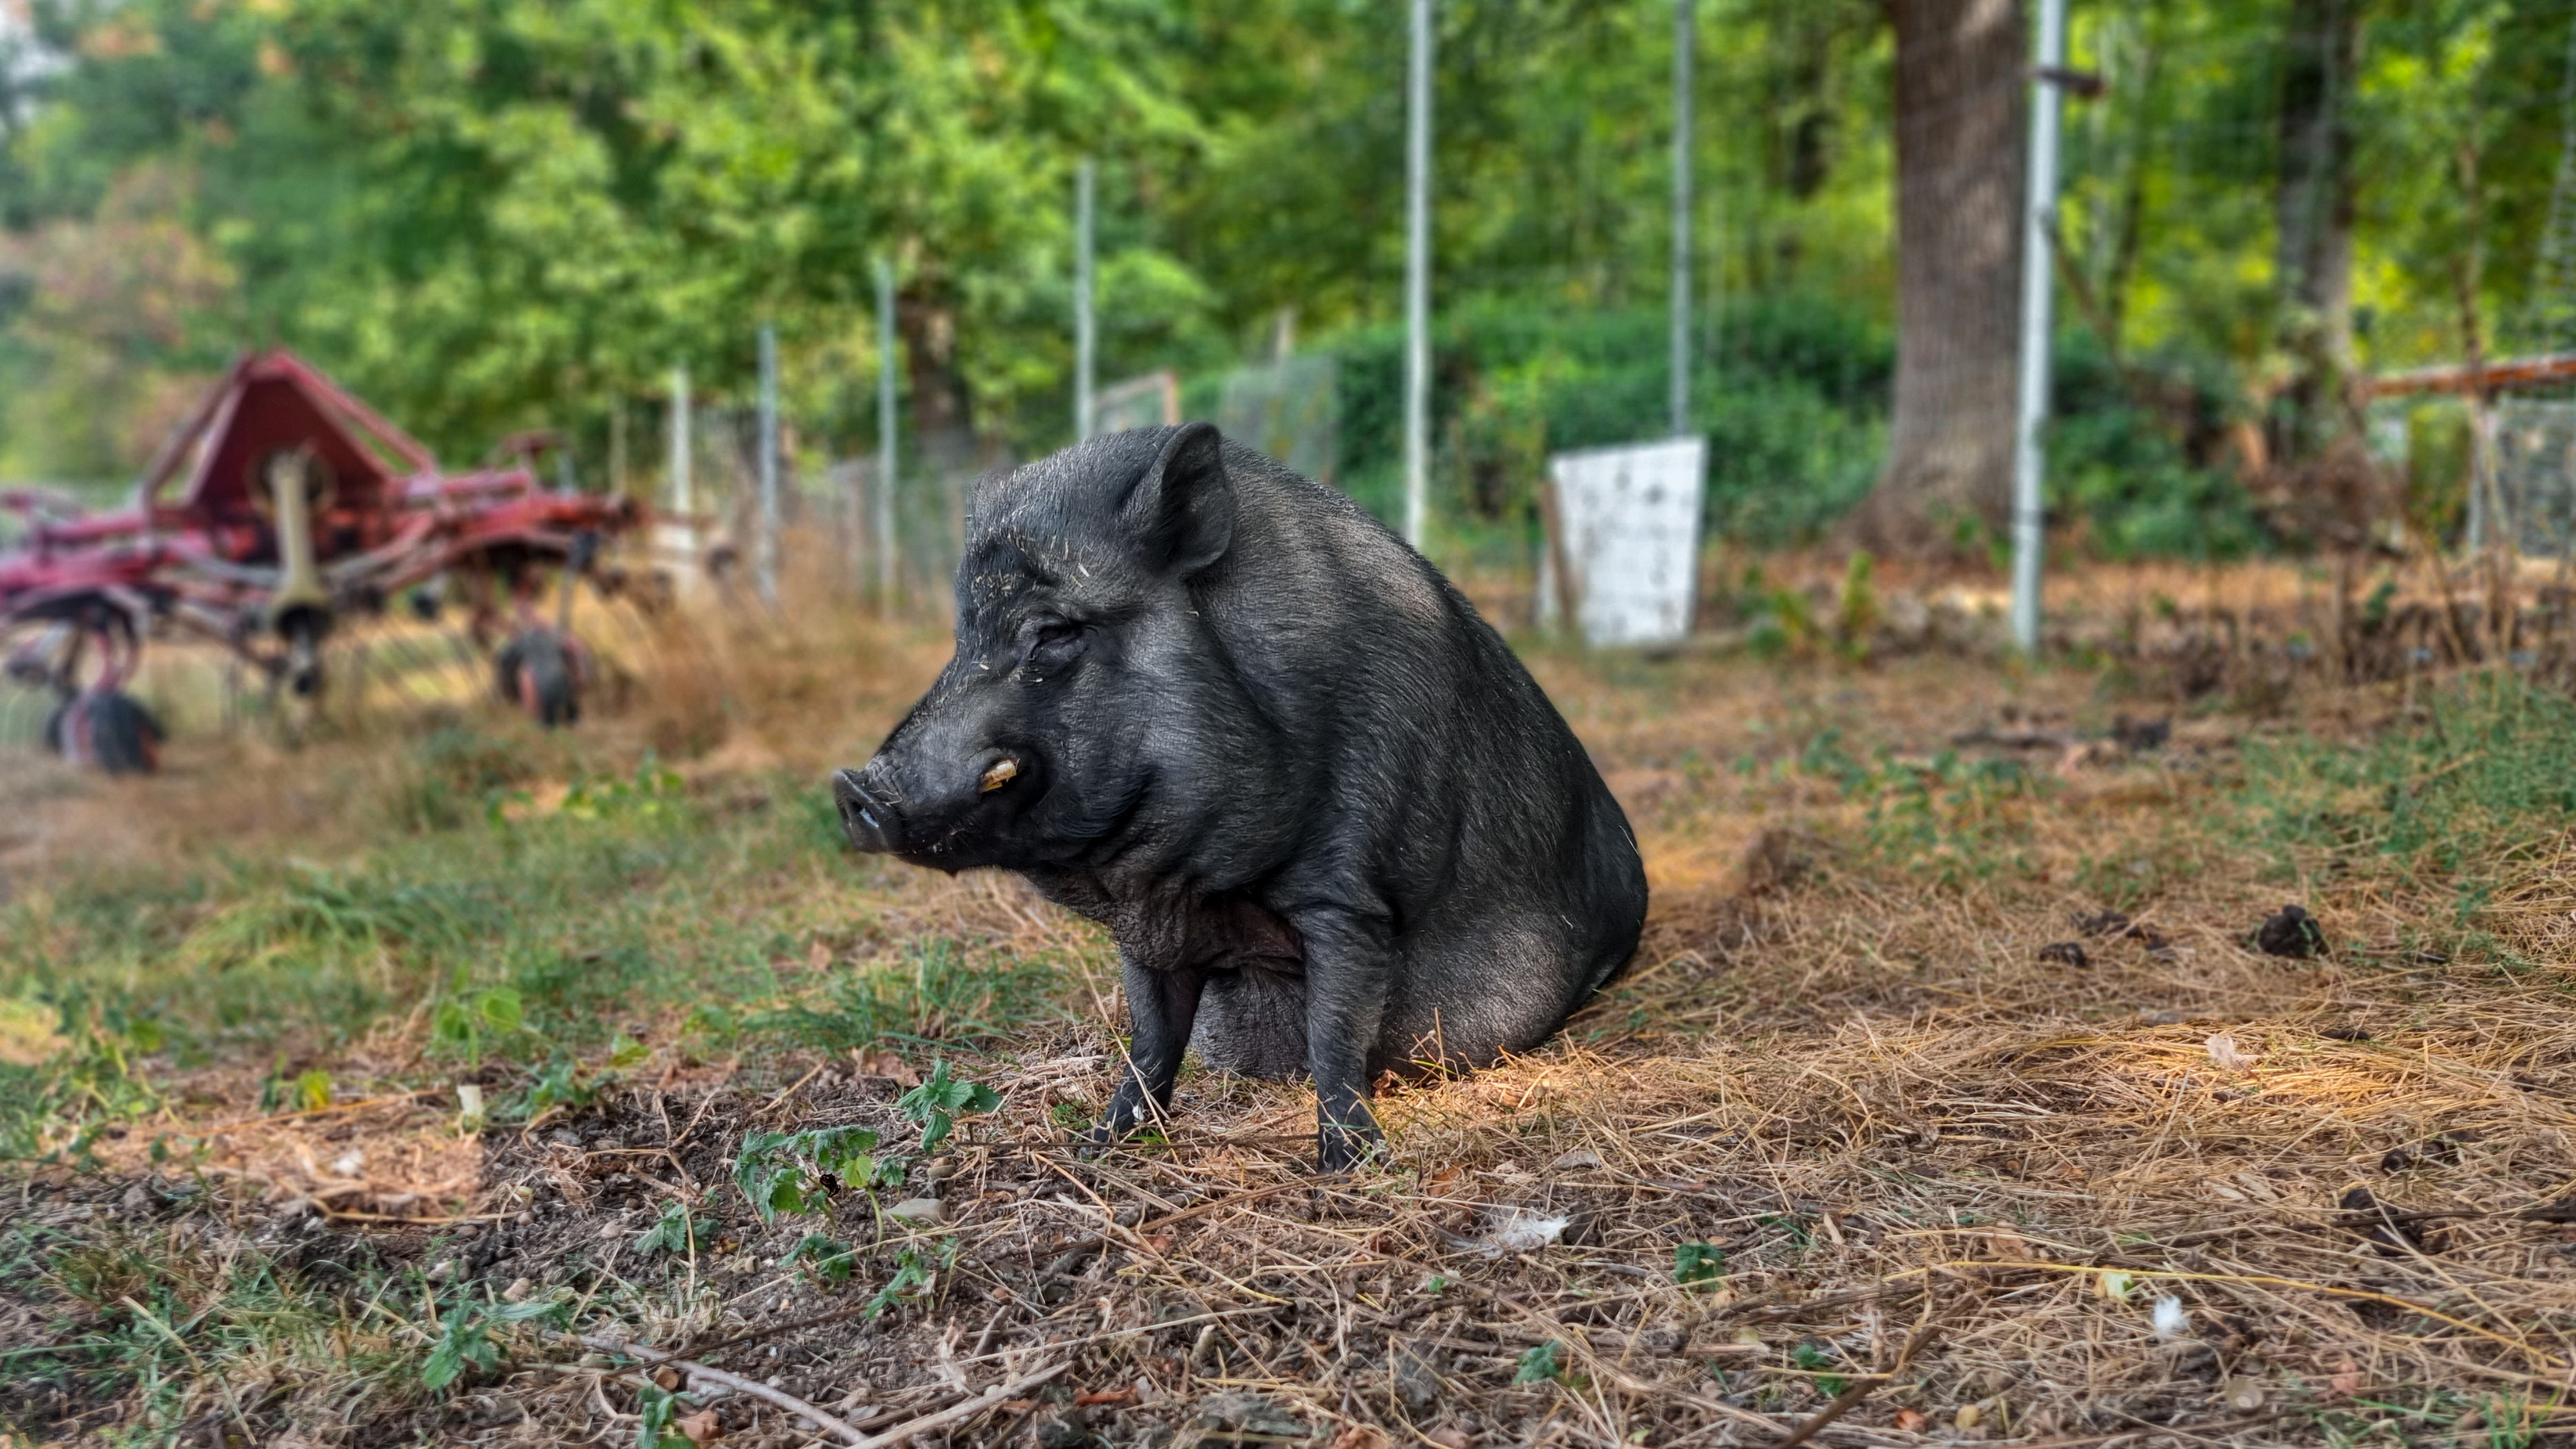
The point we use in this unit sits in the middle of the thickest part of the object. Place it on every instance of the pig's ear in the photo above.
(1181, 510)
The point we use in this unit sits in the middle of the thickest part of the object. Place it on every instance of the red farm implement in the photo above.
(282, 509)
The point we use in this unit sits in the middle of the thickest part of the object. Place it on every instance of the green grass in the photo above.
(2473, 794)
(503, 935)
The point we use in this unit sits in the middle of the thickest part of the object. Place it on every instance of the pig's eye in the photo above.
(1050, 645)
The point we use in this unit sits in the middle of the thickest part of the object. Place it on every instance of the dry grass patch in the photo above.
(1950, 1098)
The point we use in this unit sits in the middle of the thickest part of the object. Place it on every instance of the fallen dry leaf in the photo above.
(1450, 1436)
(1098, 1397)
(1360, 1436)
(1911, 1421)
(2222, 1050)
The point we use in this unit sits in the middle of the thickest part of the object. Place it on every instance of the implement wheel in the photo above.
(108, 729)
(539, 670)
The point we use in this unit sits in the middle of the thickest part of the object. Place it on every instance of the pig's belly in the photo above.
(1469, 998)
(1252, 1023)
(1461, 1006)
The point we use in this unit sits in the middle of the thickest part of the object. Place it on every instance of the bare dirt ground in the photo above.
(1971, 1084)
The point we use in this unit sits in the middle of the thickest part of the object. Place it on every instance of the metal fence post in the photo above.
(883, 521)
(1684, 42)
(681, 501)
(1417, 277)
(1085, 339)
(2029, 517)
(766, 560)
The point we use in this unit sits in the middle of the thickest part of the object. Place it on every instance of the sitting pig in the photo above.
(1331, 821)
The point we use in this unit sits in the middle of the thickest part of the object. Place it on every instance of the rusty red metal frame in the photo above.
(2509, 372)
(195, 549)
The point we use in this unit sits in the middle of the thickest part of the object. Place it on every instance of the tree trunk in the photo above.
(942, 412)
(1961, 71)
(2312, 203)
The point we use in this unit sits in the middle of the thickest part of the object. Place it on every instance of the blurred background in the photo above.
(489, 215)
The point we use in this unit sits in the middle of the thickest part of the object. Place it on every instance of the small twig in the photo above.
(738, 1384)
(339, 1216)
(1861, 1389)
(1092, 1242)
(331, 1111)
(701, 1350)
(788, 1091)
(1123, 1332)
(989, 1399)
(714, 1090)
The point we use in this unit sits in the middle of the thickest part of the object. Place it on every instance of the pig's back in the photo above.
(1451, 801)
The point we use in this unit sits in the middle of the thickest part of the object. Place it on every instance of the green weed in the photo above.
(936, 994)
(2473, 796)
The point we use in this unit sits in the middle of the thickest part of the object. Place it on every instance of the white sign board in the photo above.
(1629, 518)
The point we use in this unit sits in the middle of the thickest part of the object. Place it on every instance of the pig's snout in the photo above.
(870, 819)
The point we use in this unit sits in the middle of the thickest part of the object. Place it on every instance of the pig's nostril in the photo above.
(867, 820)
(1002, 773)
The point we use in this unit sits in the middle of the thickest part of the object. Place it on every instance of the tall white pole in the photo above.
(2029, 519)
(1417, 277)
(1084, 339)
(883, 522)
(766, 559)
(1684, 42)
(681, 500)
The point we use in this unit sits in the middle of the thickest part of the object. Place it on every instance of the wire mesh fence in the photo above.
(2535, 463)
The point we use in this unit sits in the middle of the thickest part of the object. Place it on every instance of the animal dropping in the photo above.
(1334, 826)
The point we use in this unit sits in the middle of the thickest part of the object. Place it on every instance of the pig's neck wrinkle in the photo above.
(1170, 926)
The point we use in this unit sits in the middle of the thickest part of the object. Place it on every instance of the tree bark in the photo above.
(942, 409)
(2312, 209)
(1961, 74)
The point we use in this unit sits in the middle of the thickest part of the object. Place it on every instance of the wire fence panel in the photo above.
(1290, 410)
(1150, 401)
(2535, 461)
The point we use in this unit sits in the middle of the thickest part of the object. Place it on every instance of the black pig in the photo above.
(1332, 822)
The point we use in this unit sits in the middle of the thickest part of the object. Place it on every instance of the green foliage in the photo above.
(1540, 1364)
(653, 794)
(484, 216)
(912, 1273)
(1791, 392)
(465, 1336)
(560, 1083)
(940, 1100)
(791, 1172)
(1698, 1263)
(935, 993)
(655, 1410)
(1808, 1356)
(464, 1343)
(2130, 475)
(2475, 793)
(826, 1259)
(461, 1022)
(1945, 817)
(674, 1232)
(451, 777)
(785, 1172)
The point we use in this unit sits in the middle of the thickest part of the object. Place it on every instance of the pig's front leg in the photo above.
(1161, 1006)
(1350, 969)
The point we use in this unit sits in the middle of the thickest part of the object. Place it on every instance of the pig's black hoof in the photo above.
(1342, 1151)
